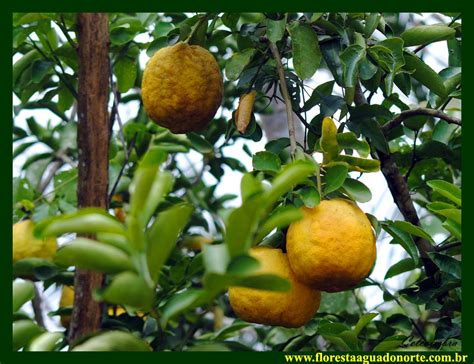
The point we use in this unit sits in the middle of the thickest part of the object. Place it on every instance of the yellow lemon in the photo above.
(293, 308)
(182, 87)
(333, 247)
(25, 245)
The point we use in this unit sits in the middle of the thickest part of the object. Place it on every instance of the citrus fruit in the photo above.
(182, 87)
(332, 248)
(25, 245)
(293, 308)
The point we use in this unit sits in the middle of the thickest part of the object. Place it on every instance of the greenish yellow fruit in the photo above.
(182, 87)
(333, 247)
(293, 308)
(25, 245)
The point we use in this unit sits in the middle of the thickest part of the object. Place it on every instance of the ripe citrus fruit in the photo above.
(182, 87)
(25, 245)
(293, 308)
(333, 247)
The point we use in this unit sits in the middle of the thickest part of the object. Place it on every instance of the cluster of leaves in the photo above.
(161, 246)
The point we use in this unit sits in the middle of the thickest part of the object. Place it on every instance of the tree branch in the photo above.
(401, 195)
(286, 97)
(416, 112)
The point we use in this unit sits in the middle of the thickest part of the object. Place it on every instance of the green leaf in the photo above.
(281, 217)
(236, 64)
(182, 301)
(90, 254)
(199, 143)
(328, 140)
(23, 291)
(113, 341)
(389, 343)
(290, 175)
(412, 229)
(357, 190)
(325, 89)
(364, 320)
(404, 239)
(23, 332)
(163, 234)
(371, 23)
(267, 282)
(266, 161)
(424, 74)
(241, 225)
(310, 196)
(453, 214)
(28, 267)
(47, 341)
(404, 265)
(125, 69)
(447, 264)
(305, 46)
(275, 29)
(446, 189)
(149, 186)
(453, 228)
(249, 186)
(335, 177)
(351, 58)
(84, 221)
(359, 164)
(129, 289)
(426, 34)
(350, 141)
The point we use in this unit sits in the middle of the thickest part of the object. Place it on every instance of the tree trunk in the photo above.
(92, 141)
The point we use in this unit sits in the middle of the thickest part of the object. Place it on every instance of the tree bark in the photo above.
(92, 141)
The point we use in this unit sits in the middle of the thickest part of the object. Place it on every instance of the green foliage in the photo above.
(171, 243)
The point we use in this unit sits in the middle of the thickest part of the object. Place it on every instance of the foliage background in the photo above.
(44, 210)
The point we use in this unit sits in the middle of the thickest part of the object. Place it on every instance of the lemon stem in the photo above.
(286, 98)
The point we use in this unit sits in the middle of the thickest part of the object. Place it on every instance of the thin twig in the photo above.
(37, 310)
(63, 27)
(454, 244)
(49, 177)
(130, 147)
(416, 112)
(286, 97)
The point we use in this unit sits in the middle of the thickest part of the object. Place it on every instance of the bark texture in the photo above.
(92, 141)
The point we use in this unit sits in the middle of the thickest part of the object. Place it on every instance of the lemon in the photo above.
(25, 245)
(293, 308)
(182, 87)
(333, 247)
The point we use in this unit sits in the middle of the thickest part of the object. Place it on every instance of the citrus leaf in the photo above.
(447, 264)
(163, 234)
(413, 230)
(404, 265)
(90, 254)
(47, 341)
(404, 239)
(446, 189)
(266, 161)
(113, 341)
(236, 64)
(328, 140)
(351, 58)
(424, 74)
(426, 34)
(357, 190)
(125, 70)
(129, 289)
(23, 291)
(275, 29)
(280, 218)
(23, 332)
(364, 320)
(335, 177)
(305, 46)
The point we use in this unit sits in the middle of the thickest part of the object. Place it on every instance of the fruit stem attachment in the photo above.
(286, 98)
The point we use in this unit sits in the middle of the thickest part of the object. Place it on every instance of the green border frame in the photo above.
(7, 356)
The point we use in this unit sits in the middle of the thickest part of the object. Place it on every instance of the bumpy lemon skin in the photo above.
(182, 87)
(293, 308)
(333, 247)
(25, 245)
